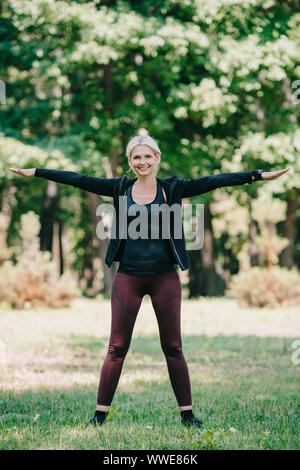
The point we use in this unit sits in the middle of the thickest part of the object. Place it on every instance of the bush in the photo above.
(35, 283)
(259, 287)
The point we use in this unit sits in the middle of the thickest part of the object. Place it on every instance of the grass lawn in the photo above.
(245, 386)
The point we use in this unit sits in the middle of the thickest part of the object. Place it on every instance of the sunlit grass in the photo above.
(244, 385)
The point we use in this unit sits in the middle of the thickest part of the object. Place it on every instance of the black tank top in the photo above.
(146, 256)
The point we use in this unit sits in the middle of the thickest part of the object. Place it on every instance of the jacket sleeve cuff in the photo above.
(256, 174)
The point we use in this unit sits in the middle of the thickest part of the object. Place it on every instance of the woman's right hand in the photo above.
(27, 172)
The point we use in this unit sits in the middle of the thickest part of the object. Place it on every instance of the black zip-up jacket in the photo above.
(175, 188)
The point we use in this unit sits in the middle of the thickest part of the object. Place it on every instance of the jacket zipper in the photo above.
(181, 265)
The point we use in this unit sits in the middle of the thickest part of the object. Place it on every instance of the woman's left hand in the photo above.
(272, 175)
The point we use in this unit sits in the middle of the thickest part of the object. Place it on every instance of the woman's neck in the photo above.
(146, 182)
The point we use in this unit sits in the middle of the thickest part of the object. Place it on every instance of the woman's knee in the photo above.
(172, 349)
(117, 350)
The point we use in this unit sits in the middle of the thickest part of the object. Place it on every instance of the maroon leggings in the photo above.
(126, 297)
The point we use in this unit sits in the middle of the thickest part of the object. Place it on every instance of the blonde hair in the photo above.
(143, 138)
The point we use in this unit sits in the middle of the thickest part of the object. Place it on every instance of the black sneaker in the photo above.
(193, 421)
(98, 419)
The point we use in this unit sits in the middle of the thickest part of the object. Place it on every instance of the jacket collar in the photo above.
(167, 183)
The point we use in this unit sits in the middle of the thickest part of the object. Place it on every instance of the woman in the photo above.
(147, 265)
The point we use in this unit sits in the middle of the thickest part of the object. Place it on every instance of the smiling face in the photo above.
(144, 160)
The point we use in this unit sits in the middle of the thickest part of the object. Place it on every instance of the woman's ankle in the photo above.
(186, 407)
(102, 407)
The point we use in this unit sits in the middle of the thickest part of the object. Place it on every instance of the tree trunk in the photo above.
(204, 279)
(196, 280)
(289, 229)
(48, 215)
(254, 261)
(5, 219)
(92, 280)
(108, 85)
(57, 253)
(254, 252)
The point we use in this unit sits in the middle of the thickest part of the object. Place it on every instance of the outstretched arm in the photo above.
(196, 186)
(93, 184)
